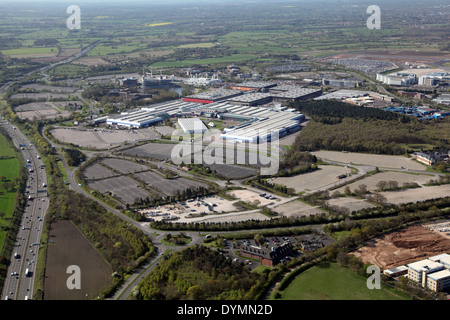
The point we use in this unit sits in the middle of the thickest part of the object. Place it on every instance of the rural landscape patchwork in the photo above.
(257, 151)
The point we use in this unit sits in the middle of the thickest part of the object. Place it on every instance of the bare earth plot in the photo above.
(228, 217)
(251, 197)
(400, 248)
(400, 177)
(350, 203)
(325, 176)
(418, 194)
(101, 139)
(297, 208)
(381, 161)
(67, 246)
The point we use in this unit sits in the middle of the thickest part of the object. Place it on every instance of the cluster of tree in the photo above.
(199, 273)
(394, 185)
(296, 162)
(46, 42)
(339, 126)
(442, 180)
(332, 111)
(74, 157)
(176, 239)
(267, 185)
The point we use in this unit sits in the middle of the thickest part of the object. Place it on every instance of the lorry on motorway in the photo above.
(27, 273)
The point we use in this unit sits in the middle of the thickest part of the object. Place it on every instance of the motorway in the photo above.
(19, 284)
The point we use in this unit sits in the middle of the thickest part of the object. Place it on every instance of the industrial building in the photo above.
(343, 95)
(442, 99)
(212, 96)
(398, 78)
(254, 86)
(255, 124)
(147, 116)
(192, 125)
(198, 81)
(296, 94)
(251, 99)
(259, 124)
(348, 83)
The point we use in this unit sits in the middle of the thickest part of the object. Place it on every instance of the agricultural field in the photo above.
(325, 176)
(102, 139)
(375, 160)
(95, 272)
(330, 281)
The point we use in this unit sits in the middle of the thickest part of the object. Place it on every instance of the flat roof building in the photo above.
(251, 99)
(212, 96)
(439, 281)
(432, 273)
(192, 125)
(398, 78)
(296, 94)
(254, 85)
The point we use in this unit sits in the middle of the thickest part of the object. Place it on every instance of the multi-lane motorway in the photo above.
(19, 283)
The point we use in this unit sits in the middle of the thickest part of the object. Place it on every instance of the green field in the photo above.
(9, 169)
(330, 281)
(27, 51)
